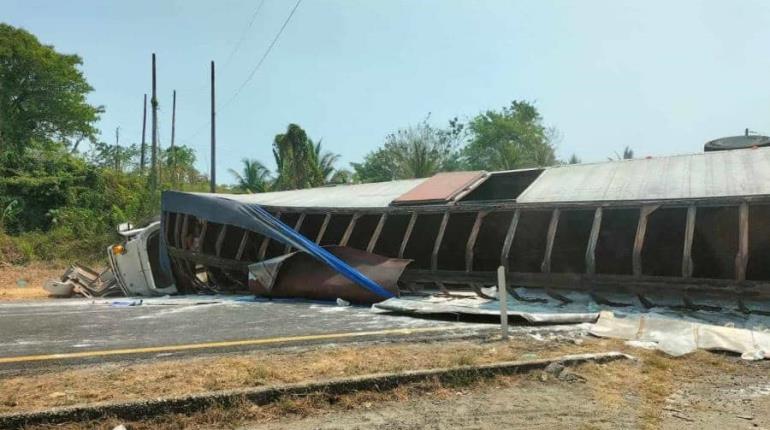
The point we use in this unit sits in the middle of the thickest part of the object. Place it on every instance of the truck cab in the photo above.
(136, 262)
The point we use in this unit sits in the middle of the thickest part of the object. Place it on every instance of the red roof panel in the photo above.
(442, 188)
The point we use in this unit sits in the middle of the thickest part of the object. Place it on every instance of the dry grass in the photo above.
(644, 386)
(113, 382)
(297, 407)
(26, 282)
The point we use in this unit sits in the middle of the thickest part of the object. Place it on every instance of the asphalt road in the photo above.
(103, 330)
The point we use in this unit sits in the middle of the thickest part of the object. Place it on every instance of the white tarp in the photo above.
(678, 337)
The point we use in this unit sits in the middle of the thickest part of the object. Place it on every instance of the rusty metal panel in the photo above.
(442, 188)
(299, 275)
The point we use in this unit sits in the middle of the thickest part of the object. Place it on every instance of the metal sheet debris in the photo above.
(476, 306)
(84, 281)
(301, 276)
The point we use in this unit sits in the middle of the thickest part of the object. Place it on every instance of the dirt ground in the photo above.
(701, 391)
(26, 282)
(714, 403)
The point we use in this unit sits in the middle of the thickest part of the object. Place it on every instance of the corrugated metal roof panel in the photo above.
(441, 188)
(378, 194)
(744, 172)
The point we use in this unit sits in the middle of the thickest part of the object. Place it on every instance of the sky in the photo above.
(662, 77)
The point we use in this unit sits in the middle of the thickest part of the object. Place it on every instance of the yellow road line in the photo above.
(224, 344)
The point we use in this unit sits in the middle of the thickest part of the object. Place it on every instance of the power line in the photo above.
(264, 56)
(244, 33)
(232, 52)
(203, 126)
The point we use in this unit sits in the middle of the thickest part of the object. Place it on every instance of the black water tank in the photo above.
(736, 142)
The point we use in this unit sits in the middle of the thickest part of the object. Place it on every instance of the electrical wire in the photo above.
(244, 33)
(264, 56)
(251, 74)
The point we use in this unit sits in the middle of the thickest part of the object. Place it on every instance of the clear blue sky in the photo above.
(659, 76)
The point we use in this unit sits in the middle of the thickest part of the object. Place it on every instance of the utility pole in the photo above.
(173, 134)
(154, 155)
(213, 136)
(117, 148)
(144, 129)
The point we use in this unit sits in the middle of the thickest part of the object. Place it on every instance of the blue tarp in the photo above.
(219, 209)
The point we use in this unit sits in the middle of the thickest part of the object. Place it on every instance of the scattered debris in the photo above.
(471, 305)
(81, 280)
(126, 303)
(677, 337)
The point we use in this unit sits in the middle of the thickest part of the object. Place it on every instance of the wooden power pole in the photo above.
(173, 135)
(154, 148)
(213, 185)
(144, 130)
(117, 148)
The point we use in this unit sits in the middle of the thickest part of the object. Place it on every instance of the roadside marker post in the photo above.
(502, 297)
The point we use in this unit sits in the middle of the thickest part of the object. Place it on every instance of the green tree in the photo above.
(573, 159)
(378, 166)
(178, 165)
(116, 157)
(42, 180)
(42, 94)
(511, 138)
(254, 178)
(341, 176)
(417, 151)
(300, 162)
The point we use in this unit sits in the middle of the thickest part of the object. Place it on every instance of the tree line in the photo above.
(513, 137)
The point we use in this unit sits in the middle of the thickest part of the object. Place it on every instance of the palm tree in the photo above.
(301, 163)
(295, 157)
(255, 177)
(326, 161)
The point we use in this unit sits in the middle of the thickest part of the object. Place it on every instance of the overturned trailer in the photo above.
(687, 230)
